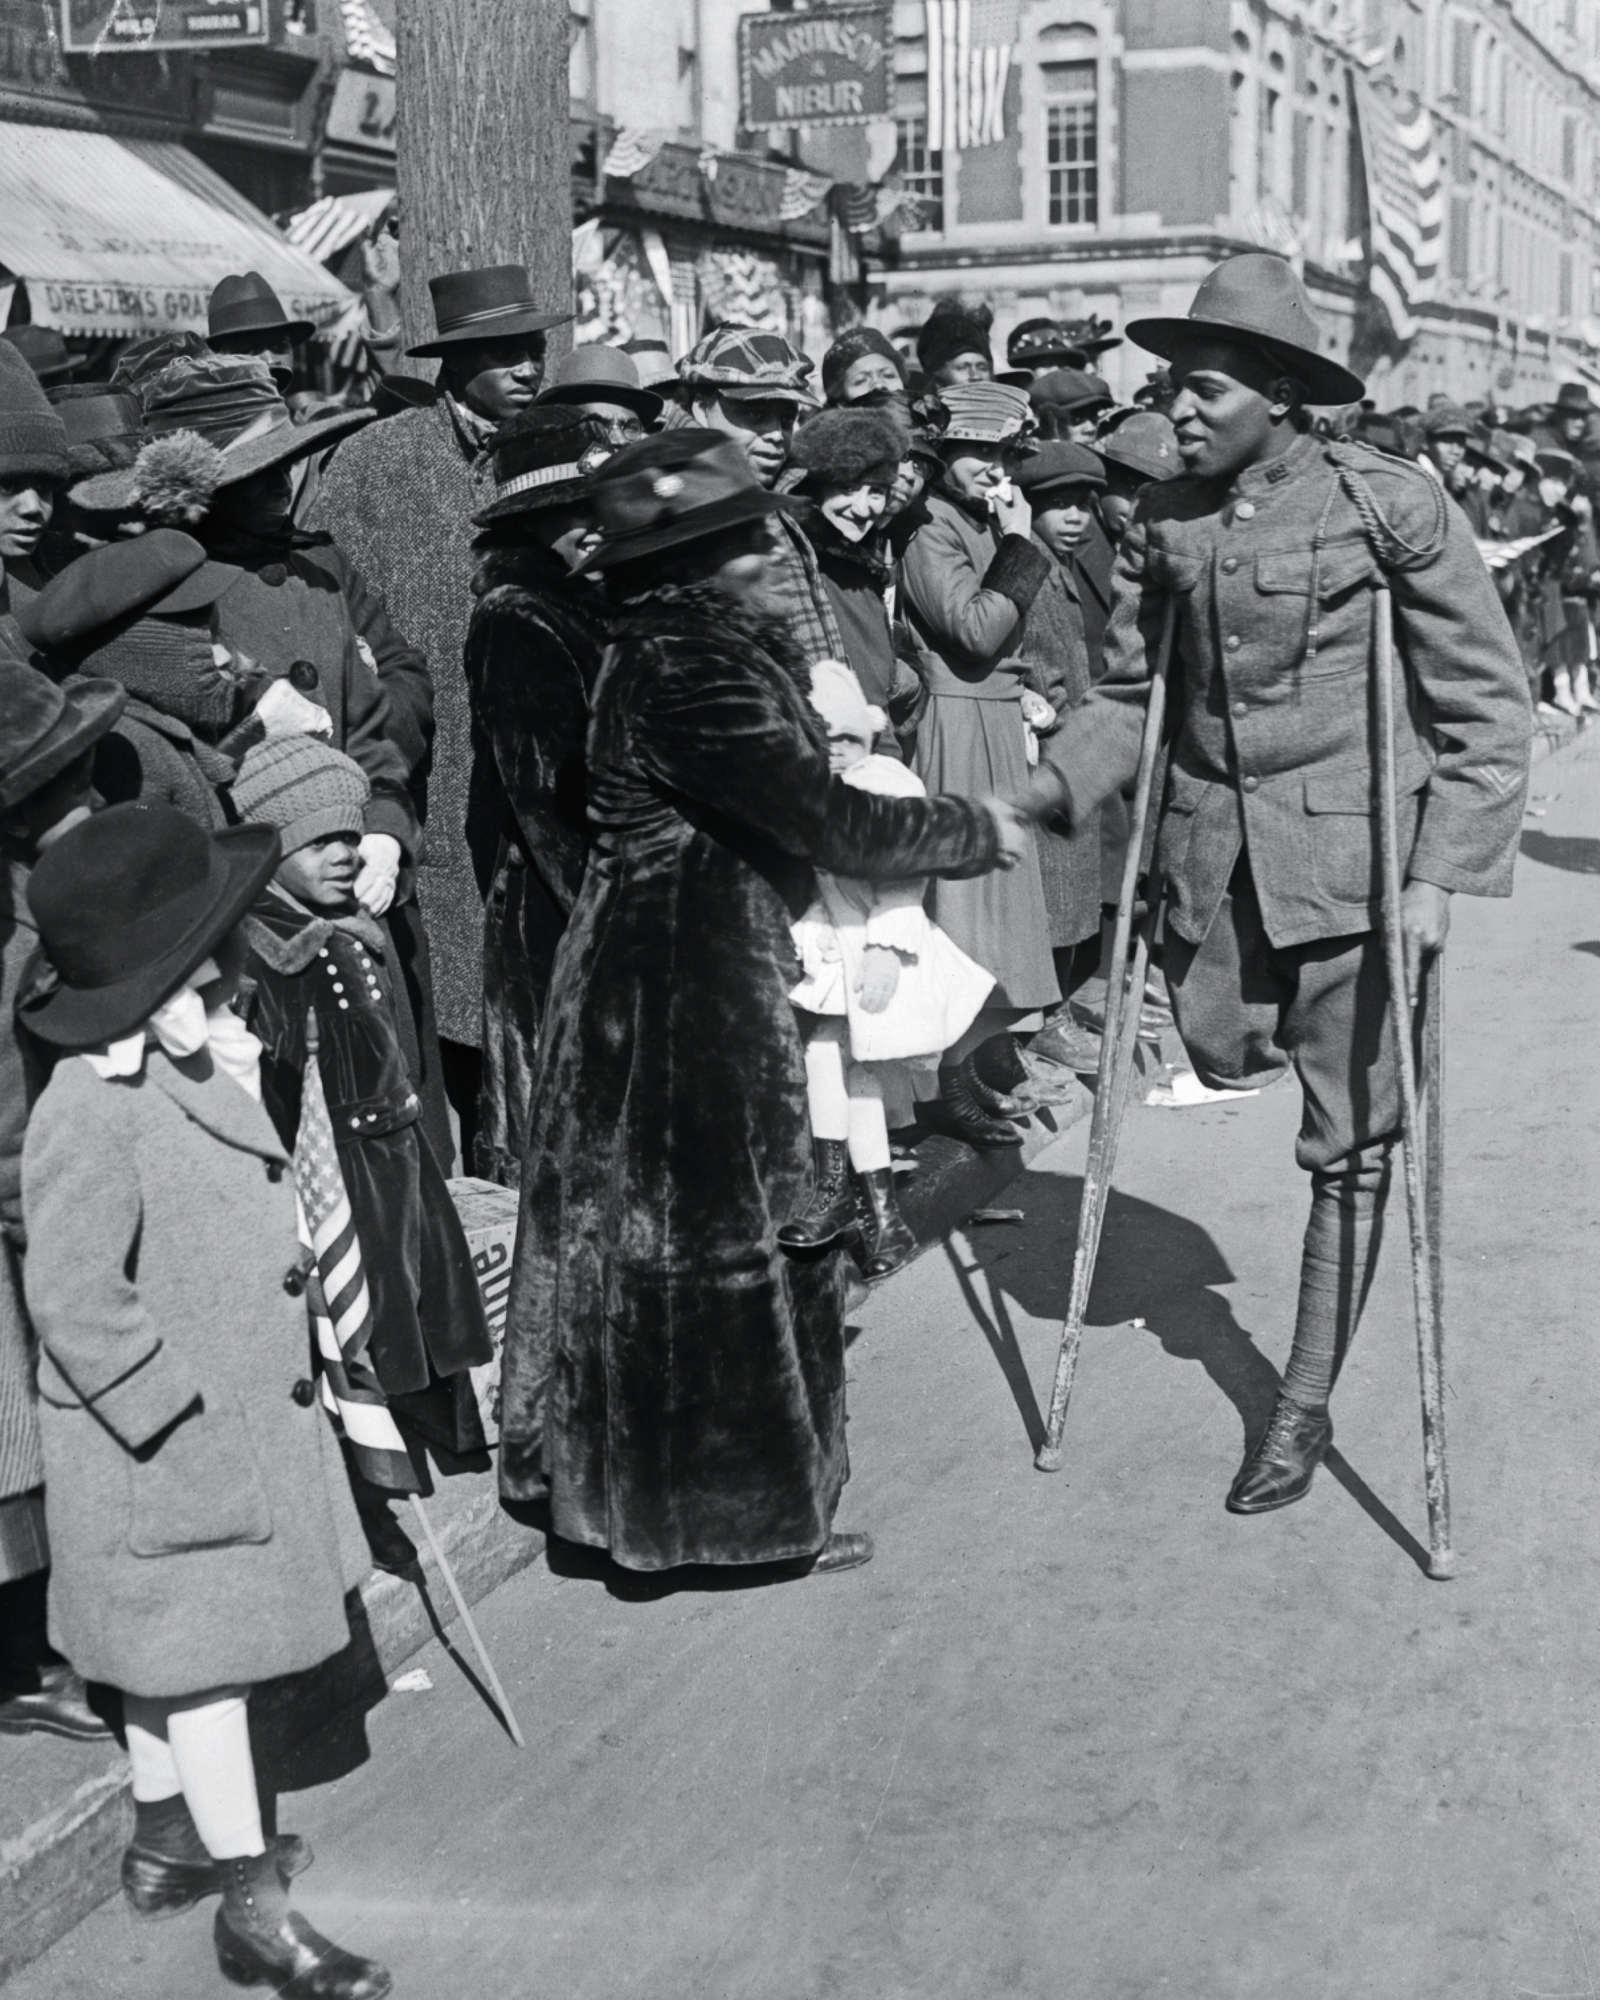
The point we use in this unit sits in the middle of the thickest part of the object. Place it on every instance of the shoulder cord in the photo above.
(1389, 546)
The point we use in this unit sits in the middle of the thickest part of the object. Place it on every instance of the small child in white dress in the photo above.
(882, 985)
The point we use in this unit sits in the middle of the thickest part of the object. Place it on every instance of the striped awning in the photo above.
(334, 223)
(111, 242)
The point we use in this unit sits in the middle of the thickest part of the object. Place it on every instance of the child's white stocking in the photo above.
(869, 1129)
(825, 1091)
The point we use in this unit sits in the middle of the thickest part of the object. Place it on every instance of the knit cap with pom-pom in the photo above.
(844, 449)
(33, 439)
(175, 478)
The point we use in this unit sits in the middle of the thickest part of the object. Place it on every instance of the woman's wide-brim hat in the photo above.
(545, 457)
(1256, 299)
(680, 487)
(128, 903)
(44, 728)
(491, 304)
(161, 574)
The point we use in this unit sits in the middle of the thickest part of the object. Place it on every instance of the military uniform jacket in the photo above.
(1275, 730)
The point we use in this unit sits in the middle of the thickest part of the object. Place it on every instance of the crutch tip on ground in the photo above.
(1442, 1565)
(1049, 1458)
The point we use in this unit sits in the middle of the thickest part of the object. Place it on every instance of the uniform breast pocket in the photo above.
(203, 1489)
(1343, 573)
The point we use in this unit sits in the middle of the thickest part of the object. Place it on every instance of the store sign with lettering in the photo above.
(363, 111)
(103, 27)
(832, 66)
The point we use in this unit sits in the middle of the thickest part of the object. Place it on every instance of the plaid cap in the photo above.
(746, 363)
(303, 787)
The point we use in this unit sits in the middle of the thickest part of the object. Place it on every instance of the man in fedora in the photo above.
(1269, 548)
(400, 499)
(45, 352)
(47, 745)
(603, 382)
(246, 316)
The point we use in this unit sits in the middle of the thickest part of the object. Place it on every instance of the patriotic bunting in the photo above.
(1404, 201)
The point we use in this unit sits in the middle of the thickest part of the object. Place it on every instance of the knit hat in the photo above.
(847, 350)
(953, 328)
(836, 696)
(848, 448)
(303, 787)
(33, 439)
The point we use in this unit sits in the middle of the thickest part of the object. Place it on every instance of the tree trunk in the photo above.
(482, 148)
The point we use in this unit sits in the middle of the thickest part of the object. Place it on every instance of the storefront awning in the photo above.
(110, 244)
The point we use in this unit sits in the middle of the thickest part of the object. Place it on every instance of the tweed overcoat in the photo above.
(398, 497)
(163, 1266)
(1274, 752)
(674, 1379)
(532, 659)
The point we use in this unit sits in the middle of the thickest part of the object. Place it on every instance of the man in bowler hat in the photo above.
(400, 501)
(1270, 547)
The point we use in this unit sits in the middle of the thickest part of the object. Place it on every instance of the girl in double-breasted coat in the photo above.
(201, 1531)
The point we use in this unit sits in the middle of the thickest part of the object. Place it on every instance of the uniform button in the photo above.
(1233, 642)
(337, 987)
(1241, 708)
(1245, 511)
(1250, 784)
(345, 1004)
(294, 1281)
(1229, 565)
(304, 1393)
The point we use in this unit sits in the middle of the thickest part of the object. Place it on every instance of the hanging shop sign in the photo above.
(363, 111)
(102, 27)
(831, 66)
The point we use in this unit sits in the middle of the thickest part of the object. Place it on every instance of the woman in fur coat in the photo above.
(532, 657)
(672, 1381)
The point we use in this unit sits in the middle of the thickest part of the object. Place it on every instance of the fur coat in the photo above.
(671, 1377)
(532, 656)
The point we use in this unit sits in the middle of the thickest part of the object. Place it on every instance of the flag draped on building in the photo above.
(968, 64)
(337, 1296)
(366, 39)
(1405, 201)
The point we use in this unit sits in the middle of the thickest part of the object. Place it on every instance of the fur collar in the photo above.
(529, 566)
(704, 611)
(868, 555)
(286, 937)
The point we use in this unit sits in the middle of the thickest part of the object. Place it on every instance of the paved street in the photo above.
(1087, 1737)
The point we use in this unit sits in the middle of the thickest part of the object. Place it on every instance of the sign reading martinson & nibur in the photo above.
(829, 67)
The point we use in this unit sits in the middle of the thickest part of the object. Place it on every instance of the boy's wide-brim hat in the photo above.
(545, 457)
(44, 728)
(155, 575)
(128, 903)
(490, 304)
(679, 487)
(1257, 299)
(601, 375)
(244, 303)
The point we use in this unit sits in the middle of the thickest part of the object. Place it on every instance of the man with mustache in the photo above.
(1271, 546)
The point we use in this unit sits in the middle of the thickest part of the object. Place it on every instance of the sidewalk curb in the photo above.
(65, 1862)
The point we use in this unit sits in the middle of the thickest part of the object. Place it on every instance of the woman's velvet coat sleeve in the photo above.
(727, 739)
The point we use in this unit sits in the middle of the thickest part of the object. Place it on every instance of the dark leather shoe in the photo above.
(160, 1885)
(391, 1548)
(1279, 1470)
(831, 1211)
(958, 1112)
(843, 1552)
(1061, 1040)
(57, 1707)
(260, 1941)
(997, 1077)
(887, 1241)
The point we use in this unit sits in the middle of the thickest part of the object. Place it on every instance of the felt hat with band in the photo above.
(45, 352)
(44, 728)
(1256, 300)
(1573, 399)
(491, 304)
(545, 457)
(128, 903)
(679, 487)
(156, 575)
(244, 303)
(601, 375)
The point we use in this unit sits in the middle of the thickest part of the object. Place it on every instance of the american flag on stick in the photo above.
(337, 1294)
(1405, 202)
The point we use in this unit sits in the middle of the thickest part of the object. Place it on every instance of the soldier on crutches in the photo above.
(1276, 557)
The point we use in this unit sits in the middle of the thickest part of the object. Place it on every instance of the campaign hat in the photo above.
(601, 375)
(1257, 299)
(244, 303)
(678, 487)
(128, 903)
(1144, 442)
(488, 304)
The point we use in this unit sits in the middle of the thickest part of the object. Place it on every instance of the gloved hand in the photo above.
(285, 711)
(380, 870)
(880, 975)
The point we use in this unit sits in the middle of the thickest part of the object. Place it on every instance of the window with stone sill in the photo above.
(921, 172)
(1072, 142)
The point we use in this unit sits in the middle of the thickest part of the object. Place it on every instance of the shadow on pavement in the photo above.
(1578, 853)
(1156, 1266)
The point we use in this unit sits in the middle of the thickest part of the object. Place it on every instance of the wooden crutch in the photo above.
(1423, 1152)
(1124, 1001)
